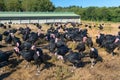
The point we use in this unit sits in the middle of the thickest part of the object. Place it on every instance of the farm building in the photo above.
(38, 17)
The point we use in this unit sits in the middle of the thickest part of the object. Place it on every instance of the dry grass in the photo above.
(54, 69)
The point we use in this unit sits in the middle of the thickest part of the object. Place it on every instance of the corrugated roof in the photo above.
(29, 14)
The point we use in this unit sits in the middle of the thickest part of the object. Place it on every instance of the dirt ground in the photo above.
(106, 69)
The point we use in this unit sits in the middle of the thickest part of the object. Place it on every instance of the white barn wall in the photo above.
(4, 21)
(15, 21)
(57, 20)
(65, 20)
(49, 20)
(38, 17)
(42, 21)
(39, 21)
(24, 21)
(34, 21)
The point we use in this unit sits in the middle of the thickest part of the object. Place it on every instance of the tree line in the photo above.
(26, 5)
(87, 13)
(94, 13)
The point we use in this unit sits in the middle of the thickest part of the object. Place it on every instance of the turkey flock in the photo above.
(28, 46)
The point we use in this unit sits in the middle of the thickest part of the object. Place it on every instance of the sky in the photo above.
(86, 3)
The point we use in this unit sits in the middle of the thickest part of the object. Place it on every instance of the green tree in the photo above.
(12, 5)
(115, 14)
(45, 5)
(87, 13)
(27, 5)
(37, 5)
(105, 14)
(2, 6)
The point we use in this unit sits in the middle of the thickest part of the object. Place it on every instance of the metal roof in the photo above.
(35, 14)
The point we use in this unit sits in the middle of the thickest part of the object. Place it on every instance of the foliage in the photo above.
(37, 5)
(87, 13)
(26, 5)
(2, 5)
(12, 5)
(94, 13)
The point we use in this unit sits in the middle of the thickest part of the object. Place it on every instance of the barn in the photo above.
(38, 17)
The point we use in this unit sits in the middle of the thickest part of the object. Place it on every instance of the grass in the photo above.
(62, 73)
